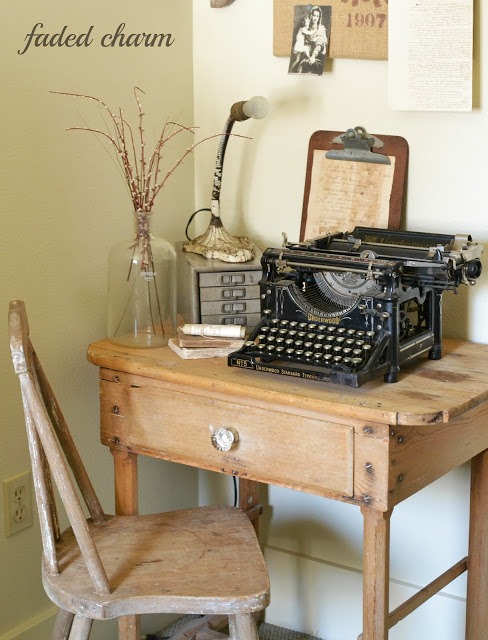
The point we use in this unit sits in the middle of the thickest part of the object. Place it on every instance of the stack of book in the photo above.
(194, 347)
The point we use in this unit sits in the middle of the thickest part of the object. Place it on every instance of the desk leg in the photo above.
(126, 504)
(249, 498)
(376, 573)
(477, 601)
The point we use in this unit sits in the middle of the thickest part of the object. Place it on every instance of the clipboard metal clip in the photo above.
(358, 145)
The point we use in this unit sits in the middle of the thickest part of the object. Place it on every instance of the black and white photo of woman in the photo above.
(310, 39)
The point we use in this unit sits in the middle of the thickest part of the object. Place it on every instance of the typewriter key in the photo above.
(360, 344)
(311, 337)
(308, 355)
(289, 342)
(301, 335)
(328, 358)
(312, 327)
(321, 328)
(275, 322)
(341, 330)
(371, 335)
(290, 352)
(360, 335)
(351, 332)
(347, 351)
(299, 353)
(330, 340)
(271, 339)
(302, 326)
(270, 348)
(318, 347)
(367, 350)
(280, 350)
(337, 350)
(284, 323)
(340, 340)
(320, 339)
(283, 332)
(331, 329)
(346, 361)
(298, 344)
(280, 342)
(350, 342)
(267, 313)
(264, 329)
(308, 345)
(261, 347)
(327, 348)
(261, 337)
(293, 324)
(356, 363)
(317, 356)
(273, 331)
(357, 353)
(337, 359)
(292, 333)
(249, 344)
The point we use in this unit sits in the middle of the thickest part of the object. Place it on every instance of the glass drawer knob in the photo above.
(224, 439)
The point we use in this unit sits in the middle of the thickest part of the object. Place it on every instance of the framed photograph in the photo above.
(311, 31)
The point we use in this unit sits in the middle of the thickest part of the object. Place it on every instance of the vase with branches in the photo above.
(142, 270)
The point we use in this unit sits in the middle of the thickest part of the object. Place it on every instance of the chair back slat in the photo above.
(43, 499)
(67, 443)
(42, 438)
(52, 500)
(64, 483)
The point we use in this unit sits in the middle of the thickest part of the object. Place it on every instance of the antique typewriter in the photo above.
(348, 307)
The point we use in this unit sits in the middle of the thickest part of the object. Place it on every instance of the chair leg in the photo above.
(80, 630)
(243, 625)
(62, 625)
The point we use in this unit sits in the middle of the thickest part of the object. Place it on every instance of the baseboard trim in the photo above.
(36, 628)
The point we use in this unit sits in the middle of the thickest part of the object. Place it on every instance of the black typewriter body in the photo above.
(349, 307)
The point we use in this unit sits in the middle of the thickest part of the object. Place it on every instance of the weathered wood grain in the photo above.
(477, 601)
(427, 392)
(164, 422)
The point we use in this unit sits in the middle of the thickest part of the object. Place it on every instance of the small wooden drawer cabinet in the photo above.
(216, 292)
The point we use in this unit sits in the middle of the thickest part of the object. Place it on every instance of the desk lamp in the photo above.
(217, 242)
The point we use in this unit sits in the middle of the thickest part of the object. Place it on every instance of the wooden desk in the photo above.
(372, 447)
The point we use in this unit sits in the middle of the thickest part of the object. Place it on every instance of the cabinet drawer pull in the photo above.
(224, 439)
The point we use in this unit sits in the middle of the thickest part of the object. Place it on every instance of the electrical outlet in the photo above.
(17, 496)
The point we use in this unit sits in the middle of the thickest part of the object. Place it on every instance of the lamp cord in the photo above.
(190, 221)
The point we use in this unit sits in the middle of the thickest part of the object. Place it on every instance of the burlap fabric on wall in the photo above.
(359, 28)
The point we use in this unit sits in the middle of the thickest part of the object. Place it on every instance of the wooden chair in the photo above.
(195, 561)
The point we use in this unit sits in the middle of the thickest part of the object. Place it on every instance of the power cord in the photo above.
(190, 220)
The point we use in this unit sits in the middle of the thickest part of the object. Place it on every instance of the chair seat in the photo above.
(204, 560)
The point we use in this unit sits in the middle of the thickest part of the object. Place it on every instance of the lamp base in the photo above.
(217, 244)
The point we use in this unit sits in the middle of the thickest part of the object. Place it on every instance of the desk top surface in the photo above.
(427, 391)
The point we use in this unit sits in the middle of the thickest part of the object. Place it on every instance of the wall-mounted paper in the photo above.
(430, 50)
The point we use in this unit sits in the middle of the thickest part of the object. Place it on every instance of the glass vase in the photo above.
(142, 289)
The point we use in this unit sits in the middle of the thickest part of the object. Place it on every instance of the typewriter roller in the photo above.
(346, 308)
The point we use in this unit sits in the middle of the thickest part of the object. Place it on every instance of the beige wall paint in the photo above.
(62, 206)
(314, 546)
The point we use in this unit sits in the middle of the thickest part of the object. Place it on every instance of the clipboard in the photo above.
(353, 179)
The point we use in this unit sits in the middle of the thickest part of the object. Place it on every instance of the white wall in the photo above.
(62, 206)
(314, 546)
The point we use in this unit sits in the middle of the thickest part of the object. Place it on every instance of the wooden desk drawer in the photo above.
(274, 447)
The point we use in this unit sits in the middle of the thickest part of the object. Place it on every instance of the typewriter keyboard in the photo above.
(330, 346)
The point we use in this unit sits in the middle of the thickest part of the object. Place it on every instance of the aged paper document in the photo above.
(431, 55)
(344, 194)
